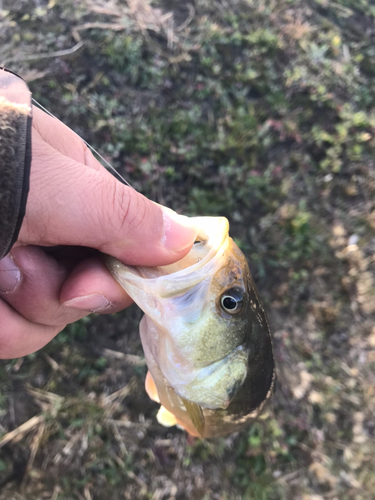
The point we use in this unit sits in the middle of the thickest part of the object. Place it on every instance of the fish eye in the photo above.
(232, 300)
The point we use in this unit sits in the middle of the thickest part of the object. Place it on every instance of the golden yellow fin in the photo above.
(166, 418)
(150, 387)
(196, 415)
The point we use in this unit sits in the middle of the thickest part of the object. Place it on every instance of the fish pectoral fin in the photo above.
(196, 415)
(166, 418)
(151, 389)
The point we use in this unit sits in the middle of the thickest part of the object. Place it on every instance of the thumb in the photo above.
(71, 203)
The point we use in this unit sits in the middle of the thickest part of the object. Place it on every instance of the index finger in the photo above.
(63, 139)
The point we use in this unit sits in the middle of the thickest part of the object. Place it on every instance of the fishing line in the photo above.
(107, 164)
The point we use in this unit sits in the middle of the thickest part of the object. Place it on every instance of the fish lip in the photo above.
(218, 244)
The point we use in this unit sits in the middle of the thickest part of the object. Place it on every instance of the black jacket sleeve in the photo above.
(15, 156)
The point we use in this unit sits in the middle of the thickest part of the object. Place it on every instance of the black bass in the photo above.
(205, 334)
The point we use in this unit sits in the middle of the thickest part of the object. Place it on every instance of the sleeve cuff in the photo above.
(15, 156)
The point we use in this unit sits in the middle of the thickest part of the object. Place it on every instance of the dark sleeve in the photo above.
(15, 156)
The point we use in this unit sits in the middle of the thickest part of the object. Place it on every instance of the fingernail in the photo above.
(10, 275)
(93, 302)
(179, 232)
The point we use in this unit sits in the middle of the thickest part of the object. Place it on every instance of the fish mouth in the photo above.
(174, 279)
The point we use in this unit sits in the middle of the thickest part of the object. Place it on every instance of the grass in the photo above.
(259, 111)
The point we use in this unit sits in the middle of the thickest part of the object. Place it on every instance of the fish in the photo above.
(205, 334)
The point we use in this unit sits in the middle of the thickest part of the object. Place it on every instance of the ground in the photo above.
(263, 112)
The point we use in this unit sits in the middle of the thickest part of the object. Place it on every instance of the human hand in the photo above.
(74, 204)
